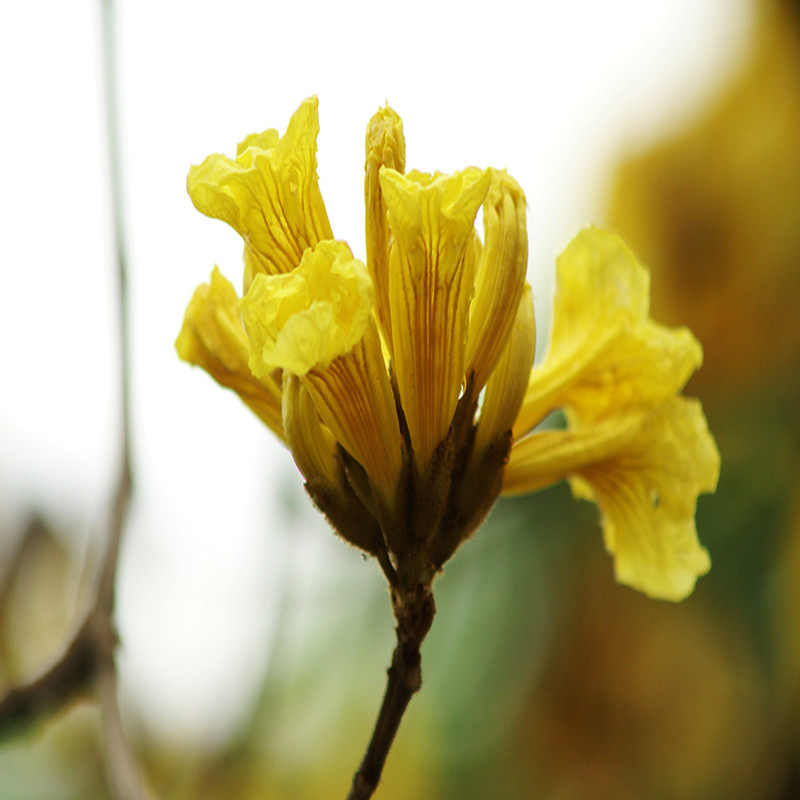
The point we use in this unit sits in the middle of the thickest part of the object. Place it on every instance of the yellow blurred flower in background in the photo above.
(715, 210)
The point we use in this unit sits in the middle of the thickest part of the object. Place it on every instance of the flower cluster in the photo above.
(405, 386)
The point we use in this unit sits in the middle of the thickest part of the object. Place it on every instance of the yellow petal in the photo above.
(269, 194)
(644, 469)
(213, 338)
(313, 446)
(354, 399)
(605, 354)
(481, 480)
(500, 276)
(430, 288)
(506, 387)
(385, 147)
(546, 457)
(310, 316)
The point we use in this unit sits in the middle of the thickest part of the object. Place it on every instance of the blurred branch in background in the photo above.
(87, 664)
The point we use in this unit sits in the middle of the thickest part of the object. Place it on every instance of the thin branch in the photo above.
(414, 612)
(123, 773)
(405, 679)
(105, 589)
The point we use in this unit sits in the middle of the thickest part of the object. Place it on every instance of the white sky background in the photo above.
(553, 91)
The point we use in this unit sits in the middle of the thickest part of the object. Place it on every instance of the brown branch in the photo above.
(414, 612)
(88, 662)
(70, 677)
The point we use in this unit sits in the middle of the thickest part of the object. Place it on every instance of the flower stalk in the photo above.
(414, 613)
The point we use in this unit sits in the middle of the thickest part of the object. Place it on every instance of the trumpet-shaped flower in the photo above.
(404, 387)
(315, 323)
(631, 444)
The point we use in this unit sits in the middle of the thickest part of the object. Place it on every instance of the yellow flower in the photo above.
(315, 323)
(404, 386)
(642, 453)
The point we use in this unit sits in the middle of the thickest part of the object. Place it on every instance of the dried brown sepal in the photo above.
(430, 492)
(472, 498)
(347, 515)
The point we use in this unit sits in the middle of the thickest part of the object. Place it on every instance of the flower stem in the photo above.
(414, 613)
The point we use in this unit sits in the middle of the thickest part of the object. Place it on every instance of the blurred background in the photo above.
(254, 643)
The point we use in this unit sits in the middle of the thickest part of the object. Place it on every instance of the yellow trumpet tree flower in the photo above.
(405, 386)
